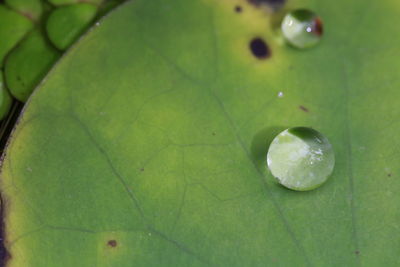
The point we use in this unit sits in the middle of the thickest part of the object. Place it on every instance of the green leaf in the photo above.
(65, 24)
(13, 28)
(5, 98)
(107, 6)
(146, 144)
(28, 63)
(30, 8)
(68, 2)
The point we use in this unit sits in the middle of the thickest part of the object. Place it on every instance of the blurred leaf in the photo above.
(65, 24)
(30, 8)
(28, 63)
(13, 28)
(5, 98)
(68, 2)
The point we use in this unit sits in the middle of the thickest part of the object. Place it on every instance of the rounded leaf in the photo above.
(29, 8)
(13, 27)
(28, 63)
(65, 24)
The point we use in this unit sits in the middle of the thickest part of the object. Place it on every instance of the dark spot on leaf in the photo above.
(238, 9)
(112, 243)
(303, 108)
(141, 169)
(274, 4)
(357, 252)
(389, 175)
(318, 27)
(213, 133)
(259, 48)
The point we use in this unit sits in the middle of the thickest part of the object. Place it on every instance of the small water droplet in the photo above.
(302, 28)
(300, 158)
(280, 94)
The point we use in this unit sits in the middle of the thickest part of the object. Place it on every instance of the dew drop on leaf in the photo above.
(300, 158)
(302, 28)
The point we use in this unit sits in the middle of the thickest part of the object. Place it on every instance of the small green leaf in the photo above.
(13, 27)
(28, 63)
(29, 8)
(68, 2)
(65, 24)
(5, 98)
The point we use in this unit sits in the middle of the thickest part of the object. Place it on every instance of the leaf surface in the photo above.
(146, 144)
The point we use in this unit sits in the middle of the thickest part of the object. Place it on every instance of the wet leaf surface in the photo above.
(146, 144)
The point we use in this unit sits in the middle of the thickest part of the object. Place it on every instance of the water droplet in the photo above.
(280, 94)
(300, 158)
(302, 28)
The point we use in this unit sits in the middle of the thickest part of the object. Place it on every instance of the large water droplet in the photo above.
(302, 28)
(300, 158)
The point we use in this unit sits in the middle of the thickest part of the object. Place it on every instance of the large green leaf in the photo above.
(146, 144)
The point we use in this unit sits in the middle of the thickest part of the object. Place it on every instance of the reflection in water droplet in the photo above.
(280, 94)
(302, 28)
(300, 158)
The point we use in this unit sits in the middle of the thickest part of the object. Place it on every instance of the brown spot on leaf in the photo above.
(142, 169)
(357, 252)
(259, 48)
(112, 243)
(303, 108)
(238, 9)
(389, 175)
(318, 29)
